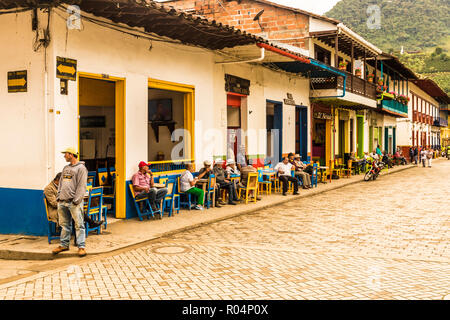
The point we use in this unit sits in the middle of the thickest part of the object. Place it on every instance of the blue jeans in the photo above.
(66, 212)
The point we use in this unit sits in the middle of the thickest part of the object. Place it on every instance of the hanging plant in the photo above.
(342, 65)
(370, 77)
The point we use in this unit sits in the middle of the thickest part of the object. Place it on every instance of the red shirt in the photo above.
(141, 180)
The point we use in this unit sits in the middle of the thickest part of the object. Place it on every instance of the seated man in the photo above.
(187, 185)
(399, 156)
(143, 185)
(284, 174)
(50, 192)
(231, 169)
(225, 183)
(244, 179)
(387, 160)
(204, 174)
(299, 171)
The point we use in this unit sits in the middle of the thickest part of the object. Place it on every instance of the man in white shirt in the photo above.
(284, 174)
(187, 185)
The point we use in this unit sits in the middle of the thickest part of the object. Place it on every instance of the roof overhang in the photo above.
(433, 89)
(347, 38)
(154, 18)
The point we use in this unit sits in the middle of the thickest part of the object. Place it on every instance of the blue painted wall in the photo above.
(22, 211)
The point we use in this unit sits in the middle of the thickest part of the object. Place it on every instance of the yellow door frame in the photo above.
(189, 108)
(120, 136)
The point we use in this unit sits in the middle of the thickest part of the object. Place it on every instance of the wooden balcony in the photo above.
(353, 84)
(394, 108)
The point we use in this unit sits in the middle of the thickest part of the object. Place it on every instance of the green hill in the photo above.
(413, 24)
(421, 27)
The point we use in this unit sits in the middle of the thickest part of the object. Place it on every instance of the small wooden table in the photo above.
(322, 169)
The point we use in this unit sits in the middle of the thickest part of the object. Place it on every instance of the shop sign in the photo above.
(237, 85)
(17, 81)
(66, 68)
(373, 122)
(289, 100)
(321, 115)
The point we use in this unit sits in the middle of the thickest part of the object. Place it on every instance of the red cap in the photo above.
(142, 164)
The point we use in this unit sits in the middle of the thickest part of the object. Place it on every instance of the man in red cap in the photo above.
(143, 185)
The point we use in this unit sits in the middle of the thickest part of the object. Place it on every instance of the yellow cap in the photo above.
(70, 150)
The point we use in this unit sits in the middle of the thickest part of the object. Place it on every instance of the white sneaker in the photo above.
(197, 207)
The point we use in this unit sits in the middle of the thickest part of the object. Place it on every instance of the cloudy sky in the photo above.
(315, 6)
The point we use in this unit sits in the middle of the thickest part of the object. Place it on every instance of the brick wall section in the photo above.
(278, 24)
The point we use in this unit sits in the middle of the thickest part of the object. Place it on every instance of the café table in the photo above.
(322, 170)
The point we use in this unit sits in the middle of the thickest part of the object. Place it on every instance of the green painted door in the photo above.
(360, 136)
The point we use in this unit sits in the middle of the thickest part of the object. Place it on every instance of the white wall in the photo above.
(23, 115)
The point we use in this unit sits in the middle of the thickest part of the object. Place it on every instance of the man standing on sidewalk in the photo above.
(71, 190)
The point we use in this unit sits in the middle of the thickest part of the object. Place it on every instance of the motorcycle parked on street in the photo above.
(374, 170)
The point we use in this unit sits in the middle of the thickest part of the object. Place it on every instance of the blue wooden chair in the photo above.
(185, 199)
(110, 198)
(264, 184)
(92, 175)
(146, 210)
(168, 202)
(210, 192)
(95, 208)
(314, 175)
(102, 177)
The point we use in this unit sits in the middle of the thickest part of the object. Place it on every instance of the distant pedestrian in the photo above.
(71, 191)
(429, 157)
(423, 156)
(416, 154)
(411, 154)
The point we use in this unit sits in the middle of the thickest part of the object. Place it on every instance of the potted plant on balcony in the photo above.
(370, 77)
(342, 65)
(380, 81)
(358, 72)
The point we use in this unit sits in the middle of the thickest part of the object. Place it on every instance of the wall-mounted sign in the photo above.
(17, 81)
(66, 68)
(237, 85)
(289, 100)
(321, 115)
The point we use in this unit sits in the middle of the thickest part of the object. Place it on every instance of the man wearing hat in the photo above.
(143, 185)
(225, 183)
(71, 190)
(299, 166)
(204, 173)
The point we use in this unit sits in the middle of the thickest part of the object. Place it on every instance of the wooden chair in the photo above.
(314, 175)
(347, 172)
(210, 192)
(185, 199)
(168, 201)
(91, 178)
(252, 184)
(94, 208)
(146, 210)
(264, 184)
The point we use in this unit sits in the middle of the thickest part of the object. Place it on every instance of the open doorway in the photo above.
(101, 106)
(274, 128)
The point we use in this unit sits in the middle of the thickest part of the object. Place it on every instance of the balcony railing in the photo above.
(440, 122)
(395, 107)
(353, 84)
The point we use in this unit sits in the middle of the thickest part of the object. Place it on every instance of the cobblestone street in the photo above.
(383, 239)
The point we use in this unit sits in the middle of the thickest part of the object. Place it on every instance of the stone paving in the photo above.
(386, 239)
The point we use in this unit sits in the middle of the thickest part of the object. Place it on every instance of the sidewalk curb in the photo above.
(25, 255)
